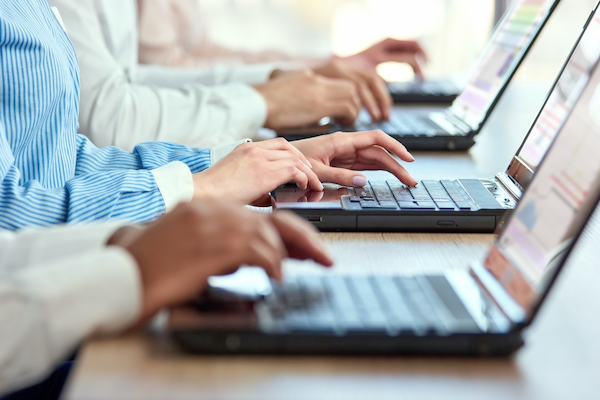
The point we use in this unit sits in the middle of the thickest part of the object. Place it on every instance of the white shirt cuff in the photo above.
(219, 152)
(247, 109)
(174, 180)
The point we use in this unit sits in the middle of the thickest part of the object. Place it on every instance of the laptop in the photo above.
(480, 311)
(433, 91)
(459, 205)
(454, 127)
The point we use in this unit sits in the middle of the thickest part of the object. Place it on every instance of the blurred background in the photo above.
(451, 31)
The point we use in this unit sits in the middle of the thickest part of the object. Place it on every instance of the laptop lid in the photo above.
(503, 54)
(544, 227)
(566, 90)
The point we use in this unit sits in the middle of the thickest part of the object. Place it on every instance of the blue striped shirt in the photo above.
(48, 173)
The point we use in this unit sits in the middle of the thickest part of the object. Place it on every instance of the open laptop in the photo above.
(460, 205)
(455, 127)
(479, 311)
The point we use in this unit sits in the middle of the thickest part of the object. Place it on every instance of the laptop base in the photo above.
(253, 342)
(427, 92)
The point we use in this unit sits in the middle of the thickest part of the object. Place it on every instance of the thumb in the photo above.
(342, 176)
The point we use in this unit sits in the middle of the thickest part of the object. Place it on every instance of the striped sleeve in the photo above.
(150, 155)
(125, 194)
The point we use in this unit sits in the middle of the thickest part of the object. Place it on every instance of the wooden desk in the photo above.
(561, 358)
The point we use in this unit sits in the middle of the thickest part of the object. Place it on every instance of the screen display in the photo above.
(555, 206)
(500, 59)
(564, 95)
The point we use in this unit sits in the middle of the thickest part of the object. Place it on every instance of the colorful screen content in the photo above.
(554, 207)
(500, 59)
(564, 95)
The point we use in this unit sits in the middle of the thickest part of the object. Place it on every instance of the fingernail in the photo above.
(411, 157)
(309, 164)
(359, 181)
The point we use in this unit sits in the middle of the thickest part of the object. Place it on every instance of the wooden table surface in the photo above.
(561, 358)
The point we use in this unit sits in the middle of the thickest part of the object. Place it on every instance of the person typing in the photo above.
(61, 285)
(49, 174)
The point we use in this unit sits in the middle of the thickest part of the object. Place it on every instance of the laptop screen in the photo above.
(555, 206)
(564, 95)
(500, 59)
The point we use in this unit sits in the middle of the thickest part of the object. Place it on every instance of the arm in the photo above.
(108, 185)
(49, 305)
(117, 109)
(48, 308)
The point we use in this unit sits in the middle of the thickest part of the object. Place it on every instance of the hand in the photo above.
(177, 253)
(402, 51)
(252, 170)
(372, 90)
(334, 156)
(302, 98)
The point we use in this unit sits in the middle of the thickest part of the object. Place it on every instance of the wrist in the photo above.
(203, 188)
(265, 92)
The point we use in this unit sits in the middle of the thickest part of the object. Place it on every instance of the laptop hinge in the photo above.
(501, 297)
(510, 185)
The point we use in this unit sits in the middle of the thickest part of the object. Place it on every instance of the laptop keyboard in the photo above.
(346, 303)
(401, 124)
(430, 195)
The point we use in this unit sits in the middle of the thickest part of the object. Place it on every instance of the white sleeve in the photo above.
(119, 109)
(48, 308)
(173, 77)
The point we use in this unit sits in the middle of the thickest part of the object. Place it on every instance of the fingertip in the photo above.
(359, 181)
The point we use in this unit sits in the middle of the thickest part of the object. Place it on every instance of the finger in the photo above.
(314, 182)
(368, 100)
(404, 46)
(284, 171)
(381, 93)
(300, 238)
(348, 142)
(341, 176)
(343, 100)
(376, 158)
(268, 247)
(282, 144)
(263, 256)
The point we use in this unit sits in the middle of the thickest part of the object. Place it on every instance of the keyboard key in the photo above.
(416, 205)
(338, 294)
(394, 304)
(388, 205)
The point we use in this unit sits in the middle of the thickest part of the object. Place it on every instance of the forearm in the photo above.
(119, 113)
(217, 74)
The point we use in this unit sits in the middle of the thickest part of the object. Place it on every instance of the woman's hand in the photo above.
(335, 157)
(253, 170)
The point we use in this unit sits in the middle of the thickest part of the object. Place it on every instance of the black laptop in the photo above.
(460, 205)
(455, 127)
(480, 311)
(433, 91)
